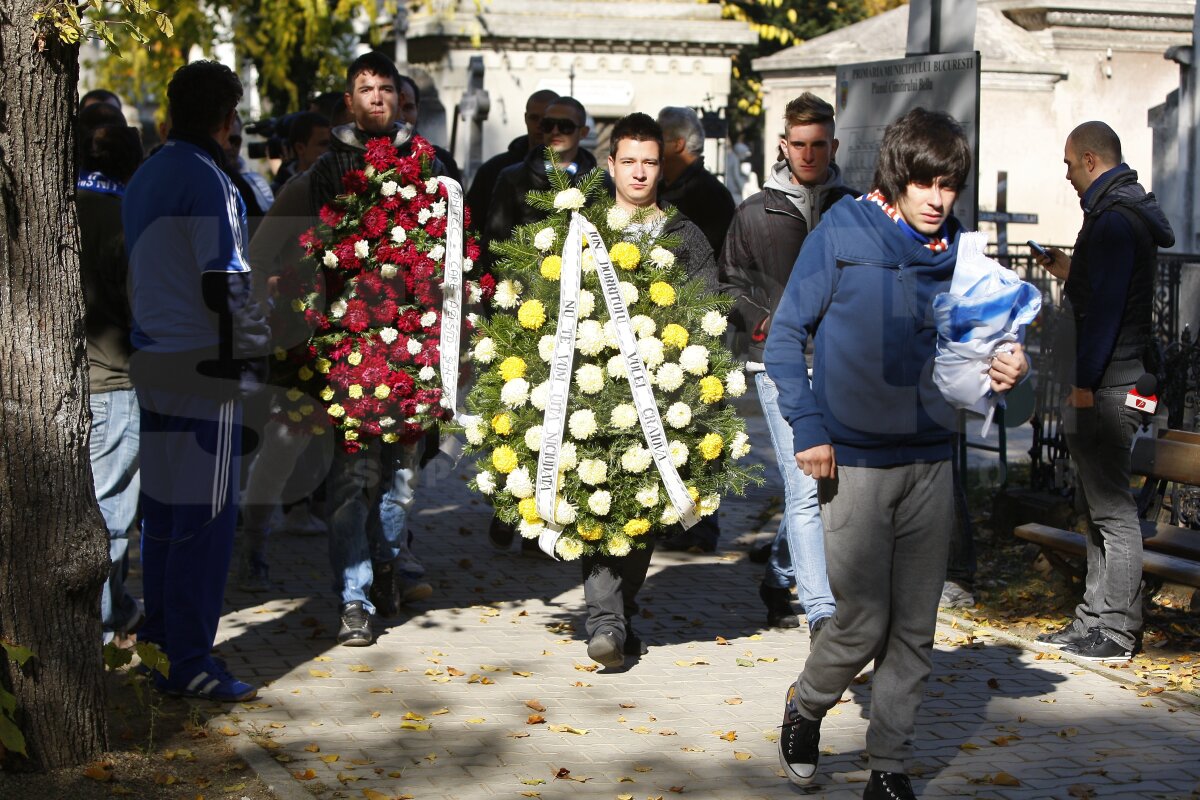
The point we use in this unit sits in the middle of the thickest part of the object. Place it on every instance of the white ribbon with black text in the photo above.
(450, 342)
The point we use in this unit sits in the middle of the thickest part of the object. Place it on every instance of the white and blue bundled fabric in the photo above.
(985, 311)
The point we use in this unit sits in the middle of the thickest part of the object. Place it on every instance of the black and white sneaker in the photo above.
(1099, 648)
(888, 786)
(607, 650)
(356, 625)
(798, 742)
(1062, 637)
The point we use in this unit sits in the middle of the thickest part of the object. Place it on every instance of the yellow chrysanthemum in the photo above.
(591, 534)
(354, 359)
(324, 365)
(710, 446)
(382, 391)
(637, 526)
(355, 391)
(318, 430)
(512, 367)
(551, 267)
(280, 354)
(390, 437)
(297, 304)
(674, 336)
(502, 424)
(336, 410)
(662, 294)
(693, 493)
(504, 459)
(351, 422)
(327, 394)
(304, 373)
(625, 255)
(711, 389)
(528, 510)
(351, 436)
(307, 409)
(295, 416)
(532, 314)
(294, 394)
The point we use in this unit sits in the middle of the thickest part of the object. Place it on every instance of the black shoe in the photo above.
(385, 589)
(888, 786)
(760, 554)
(814, 629)
(1099, 648)
(606, 649)
(356, 625)
(779, 607)
(1063, 636)
(634, 646)
(501, 534)
(798, 743)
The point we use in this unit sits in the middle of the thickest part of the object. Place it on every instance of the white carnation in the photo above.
(709, 504)
(678, 452)
(669, 377)
(508, 293)
(485, 350)
(530, 530)
(618, 545)
(568, 457)
(629, 293)
(388, 335)
(438, 209)
(648, 495)
(679, 415)
(739, 446)
(714, 323)
(569, 200)
(651, 351)
(546, 347)
(386, 422)
(515, 392)
(735, 383)
(474, 293)
(582, 423)
(593, 471)
(661, 257)
(533, 438)
(636, 459)
(398, 234)
(475, 431)
(589, 378)
(616, 367)
(587, 303)
(389, 271)
(486, 482)
(427, 373)
(544, 239)
(423, 216)
(408, 192)
(428, 318)
(413, 347)
(519, 484)
(643, 326)
(624, 417)
(431, 186)
(337, 308)
(568, 548)
(467, 264)
(694, 359)
(599, 503)
(389, 188)
(618, 219)
(437, 252)
(330, 260)
(537, 398)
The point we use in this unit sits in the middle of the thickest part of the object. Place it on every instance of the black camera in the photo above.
(274, 130)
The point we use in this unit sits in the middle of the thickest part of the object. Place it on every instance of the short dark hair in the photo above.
(302, 125)
(546, 96)
(807, 109)
(327, 103)
(1099, 139)
(572, 103)
(201, 95)
(100, 96)
(637, 126)
(375, 63)
(98, 114)
(920, 147)
(115, 150)
(410, 83)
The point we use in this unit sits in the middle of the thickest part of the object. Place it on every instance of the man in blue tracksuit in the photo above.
(198, 337)
(875, 433)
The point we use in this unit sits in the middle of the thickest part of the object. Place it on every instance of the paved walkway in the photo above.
(441, 706)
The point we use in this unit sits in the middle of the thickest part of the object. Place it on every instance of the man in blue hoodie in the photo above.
(1110, 291)
(875, 433)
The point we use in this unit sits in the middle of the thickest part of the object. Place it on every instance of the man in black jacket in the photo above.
(764, 240)
(686, 184)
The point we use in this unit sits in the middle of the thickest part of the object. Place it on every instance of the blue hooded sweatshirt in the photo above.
(862, 288)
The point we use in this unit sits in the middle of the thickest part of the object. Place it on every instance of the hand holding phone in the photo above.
(1040, 251)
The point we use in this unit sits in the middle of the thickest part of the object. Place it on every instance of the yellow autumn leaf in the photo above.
(740, 756)
(228, 730)
(476, 721)
(411, 715)
(323, 658)
(360, 668)
(414, 726)
(729, 736)
(439, 712)
(320, 673)
(329, 759)
(568, 729)
(100, 771)
(346, 777)
(371, 794)
(380, 690)
(313, 748)
(533, 781)
(306, 775)
(1004, 779)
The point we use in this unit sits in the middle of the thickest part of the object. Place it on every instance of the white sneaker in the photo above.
(955, 596)
(300, 521)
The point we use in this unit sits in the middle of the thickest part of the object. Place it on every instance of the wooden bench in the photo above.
(1170, 552)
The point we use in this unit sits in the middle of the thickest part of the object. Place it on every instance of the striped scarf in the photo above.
(939, 244)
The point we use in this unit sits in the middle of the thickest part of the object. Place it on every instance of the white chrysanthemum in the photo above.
(587, 303)
(589, 378)
(437, 251)
(398, 234)
(678, 452)
(438, 209)
(426, 373)
(616, 367)
(569, 200)
(514, 393)
(337, 308)
(485, 350)
(735, 383)
(474, 292)
(389, 188)
(508, 293)
(544, 239)
(669, 377)
(651, 351)
(413, 347)
(519, 484)
(486, 482)
(636, 459)
(610, 336)
(386, 422)
(568, 457)
(589, 337)
(530, 530)
(648, 495)
(431, 186)
(643, 326)
(330, 260)
(388, 335)
(428, 318)
(475, 431)
(568, 548)
(588, 262)
(714, 323)
(533, 438)
(423, 216)
(694, 359)
(618, 545)
(564, 513)
(599, 503)
(739, 446)
(467, 264)
(592, 471)
(629, 293)
(624, 417)
(709, 504)
(389, 271)
(537, 398)
(408, 192)
(546, 347)
(661, 257)
(618, 219)
(669, 515)
(679, 415)
(582, 423)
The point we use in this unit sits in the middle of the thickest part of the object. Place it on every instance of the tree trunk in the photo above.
(53, 547)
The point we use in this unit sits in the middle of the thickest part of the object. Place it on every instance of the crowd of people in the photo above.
(830, 285)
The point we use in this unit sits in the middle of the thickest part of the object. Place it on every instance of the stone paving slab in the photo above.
(696, 717)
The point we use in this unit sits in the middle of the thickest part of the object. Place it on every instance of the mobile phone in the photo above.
(1040, 251)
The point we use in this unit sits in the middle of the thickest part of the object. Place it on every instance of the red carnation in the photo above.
(436, 227)
(381, 154)
(472, 249)
(487, 285)
(331, 215)
(384, 312)
(409, 169)
(374, 222)
(310, 242)
(357, 316)
(409, 321)
(355, 181)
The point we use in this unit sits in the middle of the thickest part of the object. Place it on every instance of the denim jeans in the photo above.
(114, 455)
(798, 552)
(1099, 439)
(371, 493)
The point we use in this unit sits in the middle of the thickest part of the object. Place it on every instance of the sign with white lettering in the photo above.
(873, 94)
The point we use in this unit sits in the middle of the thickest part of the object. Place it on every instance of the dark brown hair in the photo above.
(920, 147)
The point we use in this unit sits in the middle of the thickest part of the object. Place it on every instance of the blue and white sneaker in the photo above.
(214, 683)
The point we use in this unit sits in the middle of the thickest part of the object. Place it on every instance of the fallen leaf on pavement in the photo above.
(320, 673)
(740, 756)
(329, 759)
(534, 705)
(568, 729)
(306, 775)
(360, 668)
(535, 719)
(100, 771)
(313, 748)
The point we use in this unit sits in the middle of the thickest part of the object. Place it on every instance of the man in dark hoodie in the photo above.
(1110, 291)
(874, 431)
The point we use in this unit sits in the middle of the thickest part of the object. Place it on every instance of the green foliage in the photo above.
(71, 23)
(11, 737)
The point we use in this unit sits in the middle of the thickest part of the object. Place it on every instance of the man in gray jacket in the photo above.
(763, 242)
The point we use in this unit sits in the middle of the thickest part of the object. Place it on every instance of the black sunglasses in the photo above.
(567, 126)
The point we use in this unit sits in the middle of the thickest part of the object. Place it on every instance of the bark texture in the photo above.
(53, 547)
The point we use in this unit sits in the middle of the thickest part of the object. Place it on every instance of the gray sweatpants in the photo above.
(887, 532)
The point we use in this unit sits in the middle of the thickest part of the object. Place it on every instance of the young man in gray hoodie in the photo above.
(756, 262)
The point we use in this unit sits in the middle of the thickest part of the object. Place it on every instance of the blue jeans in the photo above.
(363, 525)
(114, 455)
(798, 552)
